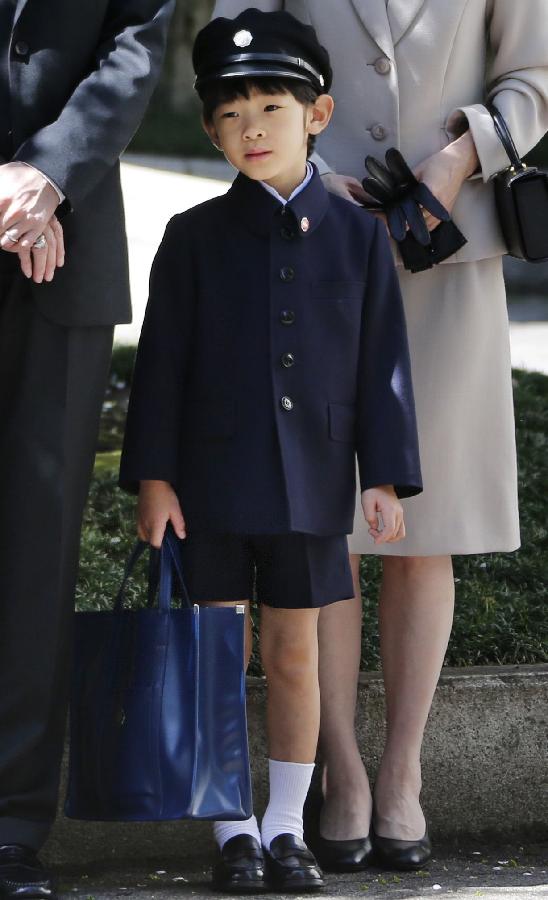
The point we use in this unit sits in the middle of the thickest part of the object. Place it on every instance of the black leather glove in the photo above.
(401, 196)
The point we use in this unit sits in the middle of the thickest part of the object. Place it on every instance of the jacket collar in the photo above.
(387, 23)
(256, 207)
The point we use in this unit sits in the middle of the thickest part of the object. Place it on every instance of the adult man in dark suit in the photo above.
(75, 79)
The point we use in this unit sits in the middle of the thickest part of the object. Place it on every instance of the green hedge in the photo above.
(501, 609)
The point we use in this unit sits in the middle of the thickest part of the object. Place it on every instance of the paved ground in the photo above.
(153, 195)
(511, 872)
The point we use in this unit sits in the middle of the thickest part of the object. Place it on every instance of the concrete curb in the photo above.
(484, 765)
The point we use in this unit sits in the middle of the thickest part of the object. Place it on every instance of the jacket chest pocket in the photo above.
(212, 419)
(337, 291)
(342, 421)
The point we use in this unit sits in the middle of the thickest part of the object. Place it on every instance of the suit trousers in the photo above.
(52, 384)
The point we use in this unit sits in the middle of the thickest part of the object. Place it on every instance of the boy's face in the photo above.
(265, 136)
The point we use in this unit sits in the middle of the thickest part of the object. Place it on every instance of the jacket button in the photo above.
(287, 233)
(382, 65)
(378, 132)
(287, 403)
(288, 360)
(287, 317)
(21, 48)
(287, 273)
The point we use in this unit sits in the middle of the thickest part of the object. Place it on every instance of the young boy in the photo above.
(273, 351)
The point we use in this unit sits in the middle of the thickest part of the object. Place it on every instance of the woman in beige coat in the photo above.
(415, 74)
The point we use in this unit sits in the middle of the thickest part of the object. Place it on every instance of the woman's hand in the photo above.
(384, 502)
(157, 505)
(446, 171)
(349, 188)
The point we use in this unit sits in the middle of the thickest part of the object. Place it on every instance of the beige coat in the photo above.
(381, 51)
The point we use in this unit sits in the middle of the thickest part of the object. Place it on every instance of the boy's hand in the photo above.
(157, 505)
(384, 502)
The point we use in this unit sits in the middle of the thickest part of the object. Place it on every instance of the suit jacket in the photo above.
(412, 73)
(270, 355)
(78, 94)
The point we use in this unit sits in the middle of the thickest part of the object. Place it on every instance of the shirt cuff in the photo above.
(55, 187)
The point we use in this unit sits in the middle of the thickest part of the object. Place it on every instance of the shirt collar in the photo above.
(257, 207)
(298, 189)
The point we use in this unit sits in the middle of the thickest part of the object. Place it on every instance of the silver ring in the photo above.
(40, 242)
(14, 240)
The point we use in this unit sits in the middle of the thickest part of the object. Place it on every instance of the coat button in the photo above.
(287, 273)
(287, 403)
(21, 48)
(378, 132)
(287, 233)
(382, 65)
(288, 360)
(287, 317)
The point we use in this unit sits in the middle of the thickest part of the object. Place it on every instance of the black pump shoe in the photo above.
(391, 853)
(334, 856)
(240, 868)
(22, 875)
(344, 856)
(290, 866)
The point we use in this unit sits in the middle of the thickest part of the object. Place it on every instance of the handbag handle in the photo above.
(503, 133)
(169, 562)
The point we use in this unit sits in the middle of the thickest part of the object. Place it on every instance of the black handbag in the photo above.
(158, 719)
(521, 194)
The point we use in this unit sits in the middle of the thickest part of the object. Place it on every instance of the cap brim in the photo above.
(253, 71)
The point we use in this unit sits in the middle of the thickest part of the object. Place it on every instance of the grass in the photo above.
(501, 610)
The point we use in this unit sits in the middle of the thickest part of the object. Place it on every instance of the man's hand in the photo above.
(384, 502)
(27, 203)
(40, 263)
(158, 505)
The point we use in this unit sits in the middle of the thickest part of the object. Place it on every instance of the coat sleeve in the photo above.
(231, 9)
(151, 447)
(106, 107)
(386, 430)
(517, 83)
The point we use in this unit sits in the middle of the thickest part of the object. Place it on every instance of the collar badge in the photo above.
(242, 38)
(305, 224)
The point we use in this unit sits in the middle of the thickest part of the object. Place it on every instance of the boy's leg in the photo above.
(289, 651)
(219, 572)
(297, 574)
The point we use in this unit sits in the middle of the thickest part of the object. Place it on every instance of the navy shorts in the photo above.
(287, 571)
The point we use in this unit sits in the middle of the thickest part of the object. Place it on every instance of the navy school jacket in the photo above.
(273, 350)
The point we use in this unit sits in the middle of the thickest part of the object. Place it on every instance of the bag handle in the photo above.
(503, 132)
(169, 562)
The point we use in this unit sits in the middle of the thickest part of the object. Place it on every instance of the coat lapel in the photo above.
(401, 15)
(374, 18)
(19, 7)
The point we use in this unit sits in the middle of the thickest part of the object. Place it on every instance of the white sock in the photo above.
(289, 783)
(223, 831)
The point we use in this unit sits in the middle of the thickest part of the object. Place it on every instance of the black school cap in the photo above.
(256, 44)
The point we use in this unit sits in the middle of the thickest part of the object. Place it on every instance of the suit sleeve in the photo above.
(151, 448)
(386, 429)
(231, 9)
(105, 109)
(517, 83)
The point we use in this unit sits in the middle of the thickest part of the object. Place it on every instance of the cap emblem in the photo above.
(242, 38)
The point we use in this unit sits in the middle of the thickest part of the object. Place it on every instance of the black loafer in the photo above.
(290, 866)
(22, 874)
(240, 867)
(390, 853)
(344, 856)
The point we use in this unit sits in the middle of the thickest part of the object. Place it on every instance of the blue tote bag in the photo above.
(157, 718)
